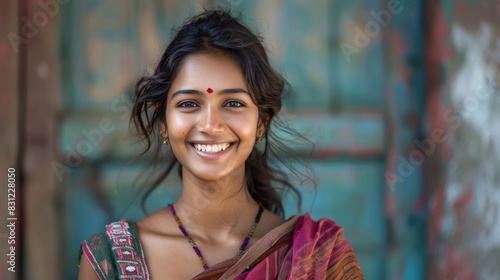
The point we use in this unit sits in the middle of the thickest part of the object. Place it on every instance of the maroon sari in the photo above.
(299, 249)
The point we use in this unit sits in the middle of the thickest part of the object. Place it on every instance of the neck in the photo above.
(218, 208)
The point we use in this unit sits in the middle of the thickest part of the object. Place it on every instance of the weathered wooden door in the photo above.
(348, 64)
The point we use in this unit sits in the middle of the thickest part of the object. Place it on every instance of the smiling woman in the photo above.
(213, 97)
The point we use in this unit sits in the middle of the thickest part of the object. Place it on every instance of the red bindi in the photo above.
(209, 90)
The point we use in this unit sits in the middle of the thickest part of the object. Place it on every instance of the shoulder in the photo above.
(115, 251)
(321, 231)
(155, 228)
(307, 226)
(323, 234)
(323, 240)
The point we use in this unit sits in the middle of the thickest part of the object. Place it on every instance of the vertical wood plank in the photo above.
(405, 201)
(9, 122)
(42, 196)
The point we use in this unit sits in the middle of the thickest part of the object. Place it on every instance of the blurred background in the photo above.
(401, 98)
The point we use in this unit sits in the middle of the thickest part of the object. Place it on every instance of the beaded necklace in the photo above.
(197, 250)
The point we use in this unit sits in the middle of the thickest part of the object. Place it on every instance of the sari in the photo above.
(300, 248)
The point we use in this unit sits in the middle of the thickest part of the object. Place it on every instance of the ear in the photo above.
(162, 126)
(261, 126)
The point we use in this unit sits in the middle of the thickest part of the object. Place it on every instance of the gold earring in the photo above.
(165, 137)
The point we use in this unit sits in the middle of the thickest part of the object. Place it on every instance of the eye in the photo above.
(235, 104)
(187, 104)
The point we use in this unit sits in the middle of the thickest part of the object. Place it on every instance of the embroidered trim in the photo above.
(131, 267)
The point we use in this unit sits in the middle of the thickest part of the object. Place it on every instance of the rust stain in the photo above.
(463, 199)
(458, 266)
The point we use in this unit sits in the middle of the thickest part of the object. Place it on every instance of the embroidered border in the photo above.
(131, 267)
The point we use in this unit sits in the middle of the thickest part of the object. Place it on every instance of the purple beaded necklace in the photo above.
(197, 250)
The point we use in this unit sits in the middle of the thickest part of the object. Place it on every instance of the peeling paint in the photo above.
(464, 225)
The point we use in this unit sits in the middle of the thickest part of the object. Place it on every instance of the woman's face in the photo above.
(211, 118)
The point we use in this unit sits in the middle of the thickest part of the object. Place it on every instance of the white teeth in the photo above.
(211, 148)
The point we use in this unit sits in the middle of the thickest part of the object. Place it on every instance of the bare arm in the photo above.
(86, 271)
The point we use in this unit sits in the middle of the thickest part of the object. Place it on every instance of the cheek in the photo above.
(178, 127)
(244, 127)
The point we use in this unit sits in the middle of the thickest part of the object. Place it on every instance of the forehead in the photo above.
(209, 70)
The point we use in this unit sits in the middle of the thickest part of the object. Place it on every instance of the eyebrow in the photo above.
(224, 91)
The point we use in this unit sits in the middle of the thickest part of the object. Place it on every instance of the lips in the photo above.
(210, 149)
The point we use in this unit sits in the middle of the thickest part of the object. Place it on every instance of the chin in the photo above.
(210, 174)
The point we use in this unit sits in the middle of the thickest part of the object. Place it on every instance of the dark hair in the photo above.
(213, 31)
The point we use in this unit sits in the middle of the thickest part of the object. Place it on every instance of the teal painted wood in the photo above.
(360, 134)
(357, 78)
(405, 199)
(304, 30)
(90, 137)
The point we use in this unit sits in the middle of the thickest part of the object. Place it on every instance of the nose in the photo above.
(211, 121)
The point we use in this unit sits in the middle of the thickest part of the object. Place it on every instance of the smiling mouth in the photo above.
(212, 149)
